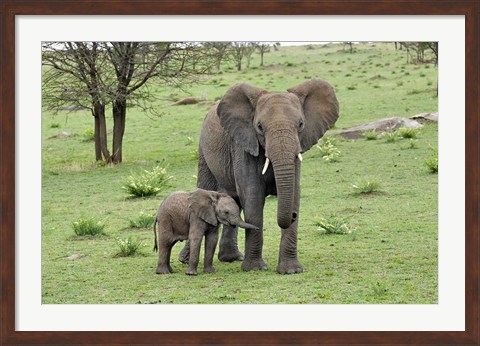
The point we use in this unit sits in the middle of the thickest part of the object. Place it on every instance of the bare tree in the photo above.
(220, 51)
(249, 48)
(238, 53)
(263, 47)
(75, 75)
(416, 51)
(93, 75)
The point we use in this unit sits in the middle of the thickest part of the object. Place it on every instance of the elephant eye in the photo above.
(301, 126)
(259, 127)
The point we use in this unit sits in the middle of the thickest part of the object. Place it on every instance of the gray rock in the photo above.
(426, 117)
(383, 125)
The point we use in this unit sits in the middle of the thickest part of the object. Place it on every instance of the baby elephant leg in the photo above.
(211, 239)
(164, 251)
(195, 243)
(184, 255)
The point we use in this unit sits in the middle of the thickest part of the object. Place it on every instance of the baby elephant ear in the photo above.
(202, 204)
(236, 111)
(320, 107)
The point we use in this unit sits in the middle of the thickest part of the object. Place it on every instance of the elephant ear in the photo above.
(320, 107)
(236, 111)
(202, 204)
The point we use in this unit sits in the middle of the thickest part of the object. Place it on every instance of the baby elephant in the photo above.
(183, 216)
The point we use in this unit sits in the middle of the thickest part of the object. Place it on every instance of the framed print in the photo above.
(388, 242)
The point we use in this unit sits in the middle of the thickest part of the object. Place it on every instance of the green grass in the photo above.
(393, 258)
(87, 227)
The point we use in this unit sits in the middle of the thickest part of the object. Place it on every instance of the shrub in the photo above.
(406, 132)
(432, 163)
(142, 221)
(194, 154)
(370, 135)
(88, 226)
(88, 135)
(149, 183)
(412, 144)
(328, 150)
(54, 125)
(128, 247)
(390, 137)
(366, 187)
(333, 225)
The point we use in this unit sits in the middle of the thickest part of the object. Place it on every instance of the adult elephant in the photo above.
(250, 147)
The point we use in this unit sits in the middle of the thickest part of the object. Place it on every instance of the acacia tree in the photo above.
(75, 76)
(220, 51)
(93, 75)
(263, 47)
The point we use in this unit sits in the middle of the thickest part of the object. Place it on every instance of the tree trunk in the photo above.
(96, 137)
(101, 133)
(119, 117)
(261, 58)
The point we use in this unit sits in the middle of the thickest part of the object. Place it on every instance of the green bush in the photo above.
(370, 135)
(390, 137)
(366, 187)
(432, 163)
(88, 135)
(328, 150)
(333, 225)
(128, 247)
(88, 226)
(406, 132)
(148, 183)
(142, 221)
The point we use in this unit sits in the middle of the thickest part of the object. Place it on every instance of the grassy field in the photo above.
(388, 254)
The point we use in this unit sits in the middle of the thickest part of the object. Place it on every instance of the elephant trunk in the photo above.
(283, 155)
(242, 224)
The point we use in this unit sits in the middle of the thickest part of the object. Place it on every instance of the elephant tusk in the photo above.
(267, 162)
(300, 157)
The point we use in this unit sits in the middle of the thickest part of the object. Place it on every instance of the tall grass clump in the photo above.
(88, 135)
(432, 163)
(328, 150)
(334, 225)
(142, 221)
(148, 183)
(406, 132)
(390, 137)
(366, 187)
(128, 247)
(88, 226)
(370, 135)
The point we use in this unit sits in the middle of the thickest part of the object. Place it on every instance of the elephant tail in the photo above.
(155, 246)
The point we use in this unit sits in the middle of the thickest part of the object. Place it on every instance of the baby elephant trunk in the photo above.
(242, 224)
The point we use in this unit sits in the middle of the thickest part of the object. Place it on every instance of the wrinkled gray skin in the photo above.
(246, 127)
(191, 216)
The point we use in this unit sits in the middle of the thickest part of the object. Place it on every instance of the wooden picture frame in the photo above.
(10, 9)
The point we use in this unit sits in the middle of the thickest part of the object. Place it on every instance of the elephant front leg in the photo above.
(253, 238)
(211, 239)
(228, 251)
(288, 262)
(195, 244)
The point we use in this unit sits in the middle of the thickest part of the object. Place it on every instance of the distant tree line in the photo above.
(416, 51)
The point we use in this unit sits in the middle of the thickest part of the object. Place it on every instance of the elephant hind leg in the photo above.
(184, 255)
(164, 251)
